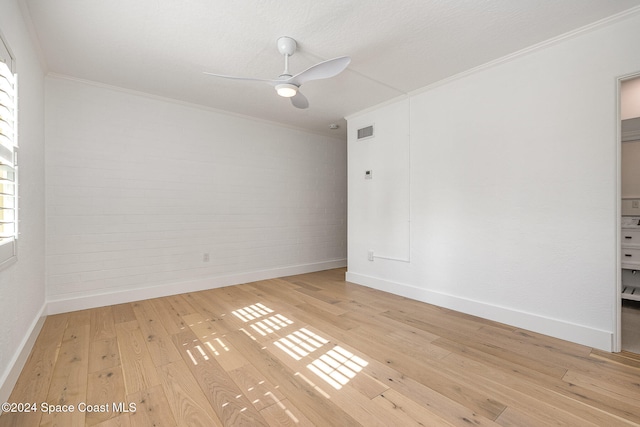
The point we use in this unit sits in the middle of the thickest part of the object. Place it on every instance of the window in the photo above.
(8, 157)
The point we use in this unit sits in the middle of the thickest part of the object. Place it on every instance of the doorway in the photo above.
(628, 317)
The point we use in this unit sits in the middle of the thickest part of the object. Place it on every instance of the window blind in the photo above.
(8, 163)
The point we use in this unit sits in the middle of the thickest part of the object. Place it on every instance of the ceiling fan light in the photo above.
(286, 90)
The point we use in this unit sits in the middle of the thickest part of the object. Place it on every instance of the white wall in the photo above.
(513, 190)
(139, 188)
(22, 291)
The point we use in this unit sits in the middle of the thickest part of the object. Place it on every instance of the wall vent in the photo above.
(365, 132)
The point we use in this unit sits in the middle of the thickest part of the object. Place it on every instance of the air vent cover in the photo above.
(365, 132)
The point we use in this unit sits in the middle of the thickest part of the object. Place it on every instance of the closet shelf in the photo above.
(631, 293)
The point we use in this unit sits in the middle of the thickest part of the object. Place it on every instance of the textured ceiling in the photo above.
(162, 47)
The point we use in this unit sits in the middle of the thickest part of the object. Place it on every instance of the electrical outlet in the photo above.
(635, 204)
(370, 255)
(205, 257)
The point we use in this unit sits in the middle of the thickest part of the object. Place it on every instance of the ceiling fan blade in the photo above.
(271, 81)
(299, 101)
(323, 70)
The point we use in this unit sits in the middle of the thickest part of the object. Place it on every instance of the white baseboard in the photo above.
(72, 302)
(579, 334)
(11, 374)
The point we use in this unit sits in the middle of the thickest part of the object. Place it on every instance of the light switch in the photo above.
(635, 204)
(368, 174)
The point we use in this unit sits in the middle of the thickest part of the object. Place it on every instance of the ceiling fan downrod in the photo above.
(287, 47)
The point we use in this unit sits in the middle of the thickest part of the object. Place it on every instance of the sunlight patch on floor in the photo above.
(252, 312)
(337, 366)
(300, 343)
(271, 324)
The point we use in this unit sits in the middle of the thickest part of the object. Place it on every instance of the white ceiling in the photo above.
(161, 47)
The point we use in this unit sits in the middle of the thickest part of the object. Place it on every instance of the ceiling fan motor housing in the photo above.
(287, 45)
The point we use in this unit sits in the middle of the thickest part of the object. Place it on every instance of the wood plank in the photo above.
(356, 305)
(69, 380)
(80, 317)
(270, 289)
(627, 392)
(340, 321)
(211, 311)
(404, 411)
(621, 374)
(103, 347)
(259, 391)
(137, 366)
(119, 421)
(157, 339)
(232, 297)
(306, 285)
(171, 309)
(624, 358)
(151, 408)
(283, 414)
(188, 403)
(325, 298)
(102, 324)
(512, 417)
(325, 277)
(103, 389)
(123, 313)
(103, 354)
(179, 304)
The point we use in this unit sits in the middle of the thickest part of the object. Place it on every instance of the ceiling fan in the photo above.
(288, 85)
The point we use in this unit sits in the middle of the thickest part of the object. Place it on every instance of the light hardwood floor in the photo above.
(314, 350)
